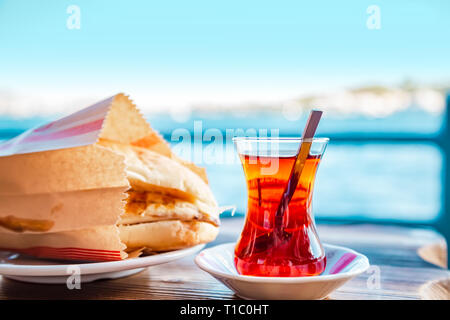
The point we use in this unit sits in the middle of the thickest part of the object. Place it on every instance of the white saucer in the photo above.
(29, 269)
(343, 264)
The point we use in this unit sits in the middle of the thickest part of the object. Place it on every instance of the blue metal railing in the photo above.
(443, 223)
(442, 141)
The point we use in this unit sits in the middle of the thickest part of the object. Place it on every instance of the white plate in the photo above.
(343, 264)
(25, 268)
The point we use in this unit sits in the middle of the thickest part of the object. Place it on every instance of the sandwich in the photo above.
(169, 204)
(101, 185)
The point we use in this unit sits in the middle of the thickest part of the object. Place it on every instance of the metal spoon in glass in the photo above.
(297, 168)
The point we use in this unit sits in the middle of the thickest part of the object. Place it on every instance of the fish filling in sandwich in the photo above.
(169, 204)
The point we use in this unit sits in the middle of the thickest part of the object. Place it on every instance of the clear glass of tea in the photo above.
(291, 248)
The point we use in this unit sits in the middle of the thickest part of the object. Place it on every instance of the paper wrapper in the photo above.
(61, 194)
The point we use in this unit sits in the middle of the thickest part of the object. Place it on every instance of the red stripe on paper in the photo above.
(69, 132)
(5, 145)
(70, 253)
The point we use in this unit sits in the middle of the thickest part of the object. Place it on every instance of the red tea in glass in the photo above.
(292, 248)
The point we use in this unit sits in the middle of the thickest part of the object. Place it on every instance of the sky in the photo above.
(175, 54)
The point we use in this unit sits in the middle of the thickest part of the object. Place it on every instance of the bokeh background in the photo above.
(379, 69)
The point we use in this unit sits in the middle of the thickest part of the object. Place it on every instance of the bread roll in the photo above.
(169, 205)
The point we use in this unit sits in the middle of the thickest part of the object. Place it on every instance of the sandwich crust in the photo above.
(152, 171)
(167, 235)
(170, 205)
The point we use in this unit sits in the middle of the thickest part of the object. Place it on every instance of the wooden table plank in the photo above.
(392, 249)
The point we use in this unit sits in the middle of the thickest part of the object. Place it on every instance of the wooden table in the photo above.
(392, 250)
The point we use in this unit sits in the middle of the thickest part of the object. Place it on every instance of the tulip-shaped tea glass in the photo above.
(266, 248)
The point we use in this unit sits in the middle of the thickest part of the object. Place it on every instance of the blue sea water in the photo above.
(412, 121)
(366, 181)
(360, 180)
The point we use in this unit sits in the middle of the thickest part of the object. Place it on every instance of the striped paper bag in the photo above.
(61, 194)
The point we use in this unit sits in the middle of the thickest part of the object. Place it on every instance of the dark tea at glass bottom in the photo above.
(291, 249)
